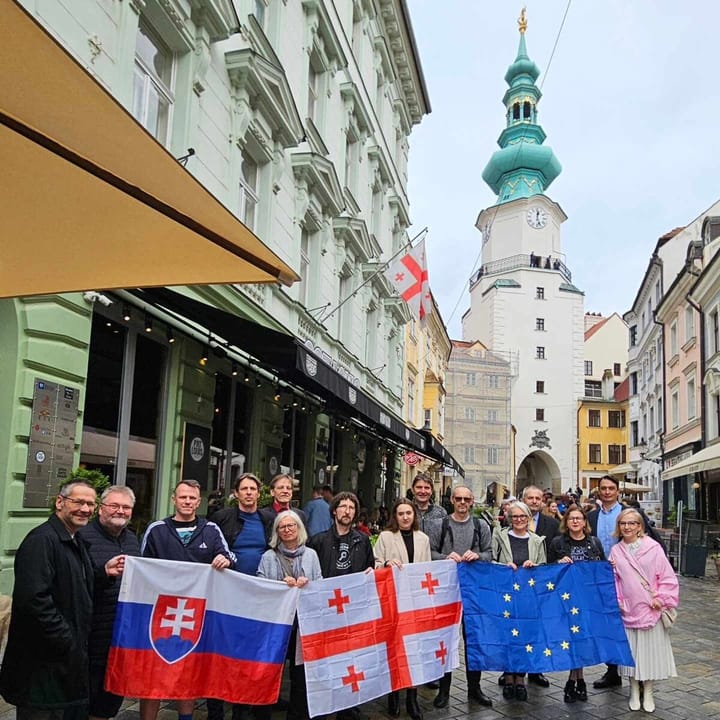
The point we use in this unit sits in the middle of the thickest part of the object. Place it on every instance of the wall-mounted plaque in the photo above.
(52, 441)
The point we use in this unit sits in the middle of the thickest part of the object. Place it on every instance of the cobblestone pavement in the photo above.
(693, 695)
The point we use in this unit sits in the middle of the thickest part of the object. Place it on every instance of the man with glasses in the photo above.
(462, 538)
(106, 536)
(45, 669)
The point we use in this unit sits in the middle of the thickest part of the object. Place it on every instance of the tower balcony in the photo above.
(549, 263)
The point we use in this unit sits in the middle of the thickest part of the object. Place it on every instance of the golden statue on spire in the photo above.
(522, 22)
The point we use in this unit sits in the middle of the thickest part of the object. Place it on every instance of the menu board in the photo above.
(52, 441)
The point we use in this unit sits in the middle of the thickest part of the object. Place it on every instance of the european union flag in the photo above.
(551, 617)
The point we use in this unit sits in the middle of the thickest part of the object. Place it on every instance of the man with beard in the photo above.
(343, 550)
(105, 537)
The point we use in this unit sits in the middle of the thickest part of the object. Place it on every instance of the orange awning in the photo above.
(89, 199)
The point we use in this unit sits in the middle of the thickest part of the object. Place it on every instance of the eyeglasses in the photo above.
(115, 507)
(90, 504)
(463, 499)
(518, 517)
(285, 528)
(628, 522)
(576, 519)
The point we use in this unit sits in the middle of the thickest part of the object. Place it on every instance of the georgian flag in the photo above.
(408, 274)
(366, 634)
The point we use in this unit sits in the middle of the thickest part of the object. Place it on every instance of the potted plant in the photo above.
(98, 480)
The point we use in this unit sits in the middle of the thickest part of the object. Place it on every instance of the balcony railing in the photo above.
(519, 261)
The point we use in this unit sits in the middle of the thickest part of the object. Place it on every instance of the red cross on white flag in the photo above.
(408, 274)
(366, 634)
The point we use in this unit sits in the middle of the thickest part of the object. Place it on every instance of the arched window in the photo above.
(526, 110)
(516, 111)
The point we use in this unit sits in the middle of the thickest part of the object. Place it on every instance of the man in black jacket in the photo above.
(105, 537)
(45, 669)
(343, 550)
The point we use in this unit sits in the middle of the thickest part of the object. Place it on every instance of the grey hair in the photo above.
(124, 489)
(289, 515)
(520, 504)
(66, 490)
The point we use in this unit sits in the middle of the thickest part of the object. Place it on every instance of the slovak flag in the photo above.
(184, 630)
(366, 634)
(408, 274)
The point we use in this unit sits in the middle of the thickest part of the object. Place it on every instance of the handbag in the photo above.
(668, 617)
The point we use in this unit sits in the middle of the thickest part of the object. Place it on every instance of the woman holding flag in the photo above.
(290, 561)
(402, 543)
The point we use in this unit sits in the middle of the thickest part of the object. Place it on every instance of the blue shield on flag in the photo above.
(176, 626)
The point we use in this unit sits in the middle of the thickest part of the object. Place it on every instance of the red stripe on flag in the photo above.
(144, 674)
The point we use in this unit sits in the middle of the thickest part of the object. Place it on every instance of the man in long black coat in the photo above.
(45, 668)
(105, 537)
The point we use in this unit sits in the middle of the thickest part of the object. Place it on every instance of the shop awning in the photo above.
(631, 487)
(621, 470)
(90, 200)
(291, 361)
(706, 459)
(439, 452)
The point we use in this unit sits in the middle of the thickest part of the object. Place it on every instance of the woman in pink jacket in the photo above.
(646, 585)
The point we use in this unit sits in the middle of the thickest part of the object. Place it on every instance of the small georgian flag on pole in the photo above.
(408, 274)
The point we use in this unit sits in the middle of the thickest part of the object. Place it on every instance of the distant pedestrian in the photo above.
(646, 586)
(317, 511)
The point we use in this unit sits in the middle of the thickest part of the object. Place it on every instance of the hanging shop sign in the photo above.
(196, 454)
(411, 459)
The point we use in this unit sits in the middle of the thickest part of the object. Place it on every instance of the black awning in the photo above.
(292, 361)
(436, 450)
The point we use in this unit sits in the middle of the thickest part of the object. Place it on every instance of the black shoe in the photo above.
(411, 704)
(442, 700)
(569, 695)
(608, 680)
(281, 705)
(501, 679)
(581, 690)
(394, 704)
(479, 696)
(520, 692)
(538, 679)
(432, 685)
(509, 692)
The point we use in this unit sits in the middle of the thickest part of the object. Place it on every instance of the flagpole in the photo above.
(380, 269)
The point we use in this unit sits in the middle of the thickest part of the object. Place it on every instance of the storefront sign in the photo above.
(196, 454)
(411, 459)
(51, 445)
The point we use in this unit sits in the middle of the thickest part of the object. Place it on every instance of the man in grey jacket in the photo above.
(462, 538)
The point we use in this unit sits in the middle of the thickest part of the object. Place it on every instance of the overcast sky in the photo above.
(631, 107)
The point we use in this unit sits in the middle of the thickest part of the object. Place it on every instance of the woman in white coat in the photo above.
(400, 544)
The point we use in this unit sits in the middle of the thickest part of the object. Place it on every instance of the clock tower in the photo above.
(522, 299)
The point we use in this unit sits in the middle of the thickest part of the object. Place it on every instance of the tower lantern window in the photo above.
(526, 110)
(516, 111)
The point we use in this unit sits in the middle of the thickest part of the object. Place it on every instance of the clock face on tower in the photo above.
(537, 217)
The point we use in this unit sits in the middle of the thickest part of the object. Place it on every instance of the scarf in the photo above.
(290, 560)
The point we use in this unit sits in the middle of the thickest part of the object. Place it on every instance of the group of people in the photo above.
(67, 570)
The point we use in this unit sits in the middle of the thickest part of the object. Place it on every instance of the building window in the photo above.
(492, 456)
(588, 367)
(594, 418)
(427, 418)
(634, 434)
(674, 410)
(540, 293)
(371, 334)
(304, 285)
(469, 454)
(471, 379)
(540, 386)
(594, 453)
(493, 382)
(691, 410)
(248, 191)
(633, 383)
(470, 413)
(540, 323)
(617, 369)
(616, 418)
(313, 90)
(539, 414)
(152, 84)
(714, 340)
(259, 12)
(633, 335)
(660, 416)
(673, 339)
(540, 352)
(492, 416)
(689, 323)
(593, 389)
(411, 400)
(617, 454)
(344, 310)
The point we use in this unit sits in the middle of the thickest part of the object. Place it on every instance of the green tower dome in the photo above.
(523, 166)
